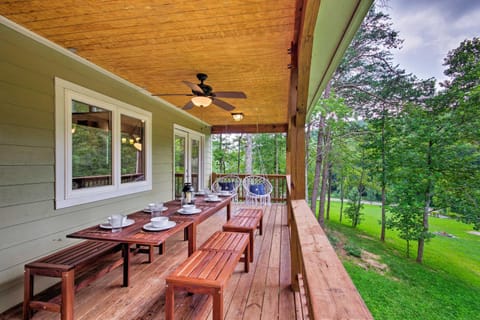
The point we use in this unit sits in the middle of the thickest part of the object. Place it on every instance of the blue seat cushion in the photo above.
(227, 186)
(258, 189)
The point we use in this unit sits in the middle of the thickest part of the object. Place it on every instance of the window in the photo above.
(103, 146)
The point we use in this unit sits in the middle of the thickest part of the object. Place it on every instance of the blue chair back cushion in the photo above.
(227, 186)
(258, 189)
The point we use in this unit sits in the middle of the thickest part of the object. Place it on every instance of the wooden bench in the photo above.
(249, 212)
(208, 269)
(64, 264)
(246, 221)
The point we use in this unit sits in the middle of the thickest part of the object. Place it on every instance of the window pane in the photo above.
(91, 146)
(132, 149)
(180, 148)
(195, 163)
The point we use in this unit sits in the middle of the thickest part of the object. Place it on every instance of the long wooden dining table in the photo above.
(136, 234)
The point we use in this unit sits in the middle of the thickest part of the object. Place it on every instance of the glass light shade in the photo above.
(137, 146)
(201, 101)
(237, 116)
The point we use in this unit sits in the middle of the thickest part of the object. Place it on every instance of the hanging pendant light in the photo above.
(237, 116)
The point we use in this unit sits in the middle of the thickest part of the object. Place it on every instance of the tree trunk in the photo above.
(239, 152)
(318, 167)
(342, 196)
(248, 155)
(222, 160)
(323, 189)
(275, 139)
(329, 190)
(426, 209)
(384, 181)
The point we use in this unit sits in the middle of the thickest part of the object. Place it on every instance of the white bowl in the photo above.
(159, 222)
(189, 207)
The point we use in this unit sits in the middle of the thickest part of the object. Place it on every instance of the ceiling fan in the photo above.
(203, 95)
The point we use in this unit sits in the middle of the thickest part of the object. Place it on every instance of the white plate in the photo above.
(213, 199)
(127, 223)
(198, 210)
(224, 194)
(150, 211)
(168, 225)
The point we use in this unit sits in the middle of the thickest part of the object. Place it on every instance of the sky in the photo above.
(430, 29)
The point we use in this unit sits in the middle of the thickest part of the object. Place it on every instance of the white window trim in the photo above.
(65, 91)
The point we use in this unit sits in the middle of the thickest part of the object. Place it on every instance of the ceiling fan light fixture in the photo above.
(201, 101)
(237, 116)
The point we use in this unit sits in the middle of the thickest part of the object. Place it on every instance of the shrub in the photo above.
(353, 250)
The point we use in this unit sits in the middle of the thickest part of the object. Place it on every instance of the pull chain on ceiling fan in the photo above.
(203, 95)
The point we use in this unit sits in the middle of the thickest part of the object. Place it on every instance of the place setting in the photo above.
(159, 224)
(189, 209)
(212, 198)
(155, 207)
(116, 222)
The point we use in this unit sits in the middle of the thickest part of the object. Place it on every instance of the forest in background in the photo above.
(381, 134)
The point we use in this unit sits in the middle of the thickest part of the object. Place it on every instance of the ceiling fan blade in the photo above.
(193, 86)
(222, 104)
(188, 106)
(171, 94)
(231, 94)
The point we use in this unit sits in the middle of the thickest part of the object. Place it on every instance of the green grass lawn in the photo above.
(445, 286)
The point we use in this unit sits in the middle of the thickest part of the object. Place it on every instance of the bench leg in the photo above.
(217, 313)
(169, 302)
(27, 294)
(68, 292)
(247, 258)
(251, 238)
(261, 225)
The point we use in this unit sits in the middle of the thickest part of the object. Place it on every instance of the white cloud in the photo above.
(430, 30)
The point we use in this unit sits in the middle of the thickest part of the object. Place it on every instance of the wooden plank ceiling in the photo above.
(242, 45)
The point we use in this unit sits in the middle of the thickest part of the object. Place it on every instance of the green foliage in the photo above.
(353, 211)
(353, 250)
(268, 153)
(91, 152)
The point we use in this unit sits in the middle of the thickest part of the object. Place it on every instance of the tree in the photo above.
(459, 188)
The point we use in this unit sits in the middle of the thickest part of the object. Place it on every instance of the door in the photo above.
(188, 160)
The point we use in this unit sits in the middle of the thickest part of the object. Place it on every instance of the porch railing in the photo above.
(317, 273)
(278, 181)
(103, 180)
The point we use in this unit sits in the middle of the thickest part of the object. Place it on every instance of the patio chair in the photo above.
(257, 190)
(227, 183)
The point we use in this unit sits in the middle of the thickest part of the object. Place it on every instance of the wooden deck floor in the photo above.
(263, 293)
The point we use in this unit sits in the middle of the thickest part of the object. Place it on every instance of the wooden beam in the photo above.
(305, 48)
(251, 128)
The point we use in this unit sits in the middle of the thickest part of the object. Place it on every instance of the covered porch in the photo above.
(263, 293)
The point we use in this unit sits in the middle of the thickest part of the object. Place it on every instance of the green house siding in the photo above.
(30, 226)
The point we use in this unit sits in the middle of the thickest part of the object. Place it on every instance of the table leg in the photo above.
(192, 238)
(126, 264)
(229, 210)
